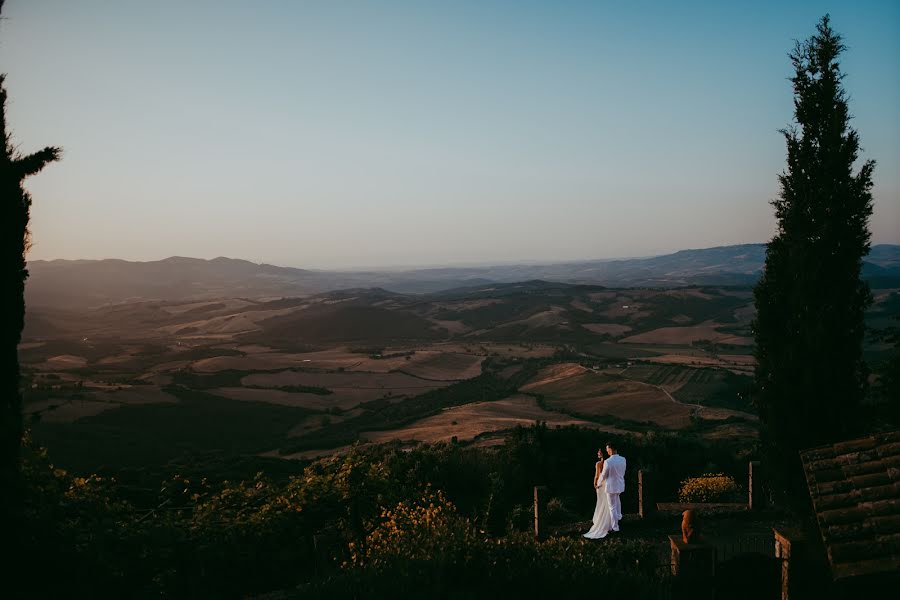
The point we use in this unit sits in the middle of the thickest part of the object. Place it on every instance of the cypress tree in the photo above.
(15, 204)
(811, 301)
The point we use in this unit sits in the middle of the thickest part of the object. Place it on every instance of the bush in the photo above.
(366, 523)
(712, 487)
(425, 548)
(414, 533)
(558, 513)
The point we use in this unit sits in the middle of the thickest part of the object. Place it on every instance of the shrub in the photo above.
(712, 487)
(520, 518)
(558, 512)
(415, 533)
(425, 548)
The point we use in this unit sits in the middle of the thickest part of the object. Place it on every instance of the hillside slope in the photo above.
(84, 283)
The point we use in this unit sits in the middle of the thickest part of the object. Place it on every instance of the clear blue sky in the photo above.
(338, 134)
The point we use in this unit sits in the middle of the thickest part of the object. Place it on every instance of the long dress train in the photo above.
(602, 517)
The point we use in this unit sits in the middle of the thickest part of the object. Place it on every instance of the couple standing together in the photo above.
(609, 481)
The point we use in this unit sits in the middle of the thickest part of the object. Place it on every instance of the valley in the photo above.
(153, 385)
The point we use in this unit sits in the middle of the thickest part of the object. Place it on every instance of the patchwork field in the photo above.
(342, 381)
(580, 305)
(733, 431)
(576, 390)
(219, 385)
(88, 401)
(346, 389)
(316, 402)
(65, 410)
(308, 376)
(148, 437)
(228, 325)
(521, 350)
(264, 361)
(722, 414)
(688, 335)
(62, 362)
(554, 316)
(697, 359)
(693, 385)
(207, 306)
(470, 421)
(612, 329)
(442, 366)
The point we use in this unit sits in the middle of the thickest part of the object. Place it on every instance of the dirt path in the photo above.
(695, 408)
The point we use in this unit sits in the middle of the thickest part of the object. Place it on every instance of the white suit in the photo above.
(614, 475)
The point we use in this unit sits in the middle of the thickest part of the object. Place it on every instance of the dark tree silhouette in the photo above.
(810, 301)
(15, 203)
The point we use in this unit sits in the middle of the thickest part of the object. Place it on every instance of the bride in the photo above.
(602, 517)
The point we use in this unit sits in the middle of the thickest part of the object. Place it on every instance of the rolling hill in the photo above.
(85, 283)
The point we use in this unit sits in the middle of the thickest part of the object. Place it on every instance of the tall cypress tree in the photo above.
(15, 204)
(810, 301)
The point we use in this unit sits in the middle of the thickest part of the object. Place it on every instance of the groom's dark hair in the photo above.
(611, 444)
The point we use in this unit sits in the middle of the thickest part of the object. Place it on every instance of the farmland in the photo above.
(306, 376)
(577, 391)
(478, 420)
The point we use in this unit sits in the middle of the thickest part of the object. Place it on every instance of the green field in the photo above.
(705, 386)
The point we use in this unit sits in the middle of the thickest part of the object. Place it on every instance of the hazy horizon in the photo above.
(362, 136)
(389, 267)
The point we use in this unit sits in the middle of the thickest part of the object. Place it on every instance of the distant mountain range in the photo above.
(83, 283)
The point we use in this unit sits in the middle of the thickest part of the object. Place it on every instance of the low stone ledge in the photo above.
(702, 507)
(696, 560)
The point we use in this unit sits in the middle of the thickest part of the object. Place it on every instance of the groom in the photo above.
(614, 475)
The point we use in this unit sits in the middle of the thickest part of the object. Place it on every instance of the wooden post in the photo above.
(540, 512)
(646, 501)
(791, 548)
(754, 486)
(694, 567)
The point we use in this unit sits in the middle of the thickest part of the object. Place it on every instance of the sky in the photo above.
(362, 134)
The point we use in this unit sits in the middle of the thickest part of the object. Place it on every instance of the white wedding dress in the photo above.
(602, 517)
